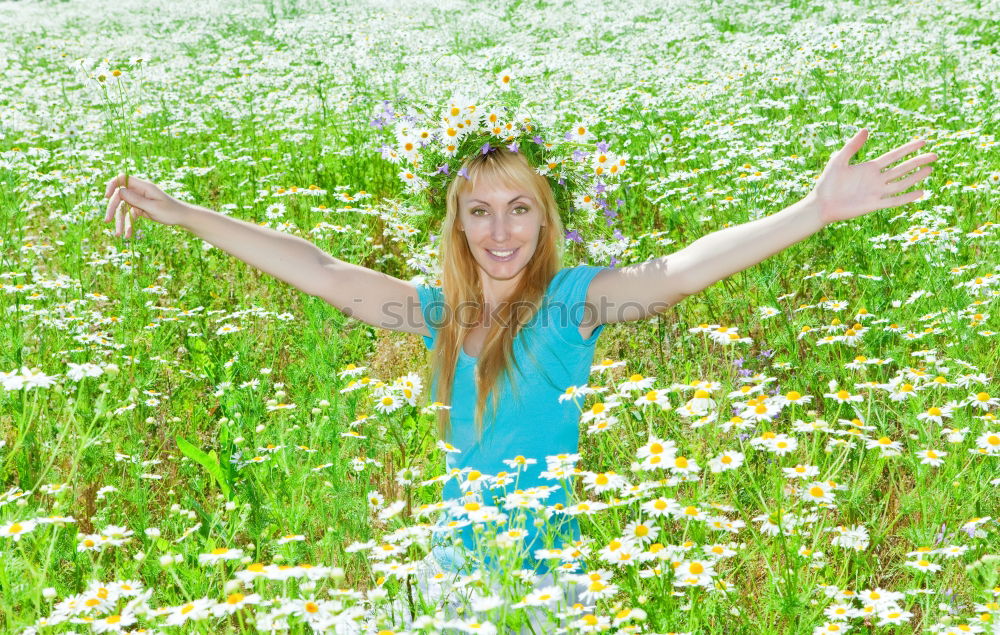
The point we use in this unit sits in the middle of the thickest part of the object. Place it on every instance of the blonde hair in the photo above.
(462, 287)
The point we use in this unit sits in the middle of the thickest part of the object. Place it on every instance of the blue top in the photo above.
(530, 421)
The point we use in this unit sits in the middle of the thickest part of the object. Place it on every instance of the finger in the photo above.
(128, 223)
(120, 218)
(904, 184)
(113, 185)
(136, 185)
(112, 206)
(852, 146)
(891, 174)
(898, 153)
(902, 199)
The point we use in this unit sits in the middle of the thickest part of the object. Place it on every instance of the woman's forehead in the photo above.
(488, 186)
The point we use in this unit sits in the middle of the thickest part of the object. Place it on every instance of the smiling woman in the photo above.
(502, 206)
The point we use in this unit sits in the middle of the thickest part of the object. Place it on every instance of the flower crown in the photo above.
(433, 143)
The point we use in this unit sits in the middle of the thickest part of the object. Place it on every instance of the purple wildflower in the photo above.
(614, 261)
(538, 140)
(619, 235)
(574, 236)
(464, 173)
(562, 181)
(579, 155)
(738, 362)
(443, 169)
(602, 146)
(745, 372)
(512, 147)
(378, 123)
(619, 202)
(940, 535)
(599, 188)
(568, 136)
(486, 149)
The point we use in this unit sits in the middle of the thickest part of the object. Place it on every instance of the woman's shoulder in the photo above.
(568, 278)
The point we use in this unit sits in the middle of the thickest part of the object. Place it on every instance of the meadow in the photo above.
(188, 445)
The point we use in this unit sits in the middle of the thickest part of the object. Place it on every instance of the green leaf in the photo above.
(208, 461)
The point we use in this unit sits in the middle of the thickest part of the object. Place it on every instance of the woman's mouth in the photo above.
(502, 256)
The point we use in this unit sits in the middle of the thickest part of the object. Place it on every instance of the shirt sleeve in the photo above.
(432, 309)
(571, 304)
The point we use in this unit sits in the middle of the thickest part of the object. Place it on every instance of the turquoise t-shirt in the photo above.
(530, 422)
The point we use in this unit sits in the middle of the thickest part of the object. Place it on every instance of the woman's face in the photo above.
(502, 227)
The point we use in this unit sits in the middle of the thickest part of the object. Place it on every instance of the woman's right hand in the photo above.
(145, 198)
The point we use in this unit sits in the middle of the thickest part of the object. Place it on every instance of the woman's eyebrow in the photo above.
(476, 200)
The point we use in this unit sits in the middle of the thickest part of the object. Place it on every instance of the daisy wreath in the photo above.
(431, 143)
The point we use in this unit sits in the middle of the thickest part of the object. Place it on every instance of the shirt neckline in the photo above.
(548, 292)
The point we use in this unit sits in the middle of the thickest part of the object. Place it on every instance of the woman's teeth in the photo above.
(502, 255)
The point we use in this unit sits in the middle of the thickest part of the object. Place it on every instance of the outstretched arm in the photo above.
(842, 192)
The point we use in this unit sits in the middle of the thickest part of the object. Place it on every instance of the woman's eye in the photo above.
(525, 209)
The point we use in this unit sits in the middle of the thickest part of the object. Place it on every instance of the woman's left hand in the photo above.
(846, 191)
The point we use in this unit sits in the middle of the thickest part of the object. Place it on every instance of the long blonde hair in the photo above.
(462, 286)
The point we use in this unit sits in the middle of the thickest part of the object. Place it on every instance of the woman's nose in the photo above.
(500, 229)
